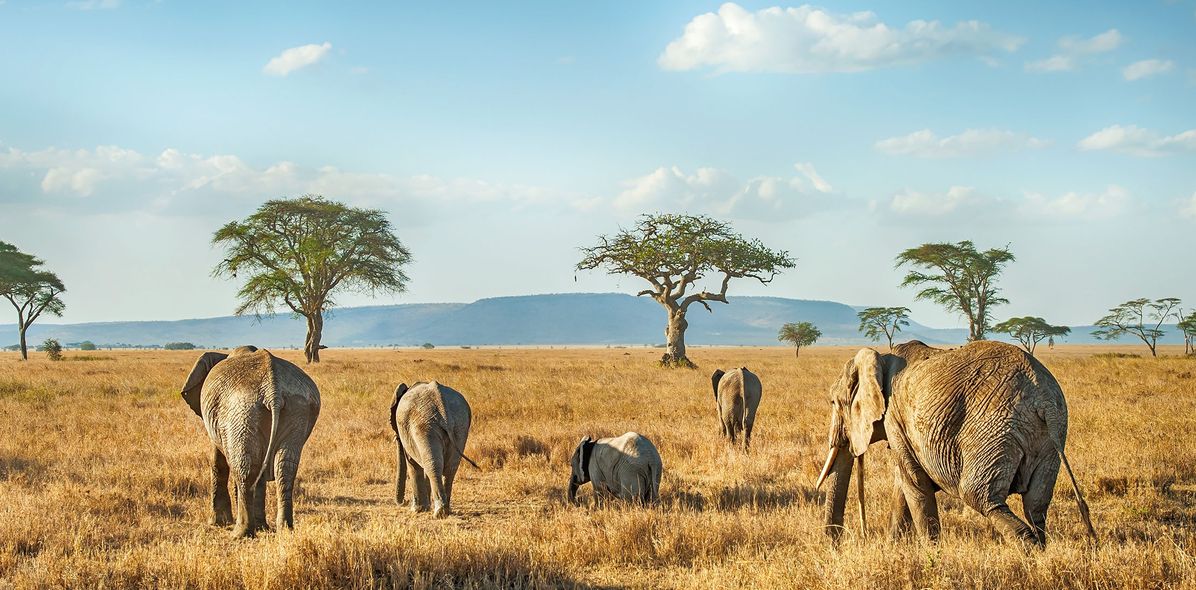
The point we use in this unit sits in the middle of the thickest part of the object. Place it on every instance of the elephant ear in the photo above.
(198, 375)
(868, 403)
(714, 379)
(394, 405)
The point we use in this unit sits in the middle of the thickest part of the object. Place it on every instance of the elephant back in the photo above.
(434, 402)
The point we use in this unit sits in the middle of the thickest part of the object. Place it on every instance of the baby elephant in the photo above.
(430, 422)
(625, 467)
(737, 395)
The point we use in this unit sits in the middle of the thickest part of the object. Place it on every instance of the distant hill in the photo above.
(562, 319)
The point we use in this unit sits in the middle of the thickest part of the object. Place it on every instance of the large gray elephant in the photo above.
(979, 422)
(737, 396)
(431, 424)
(627, 467)
(258, 410)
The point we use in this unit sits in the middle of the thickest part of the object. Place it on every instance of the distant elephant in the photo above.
(259, 411)
(431, 423)
(979, 422)
(625, 467)
(737, 395)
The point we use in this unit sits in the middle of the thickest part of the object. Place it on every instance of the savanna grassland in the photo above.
(104, 480)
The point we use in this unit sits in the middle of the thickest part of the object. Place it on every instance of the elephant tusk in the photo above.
(859, 484)
(826, 469)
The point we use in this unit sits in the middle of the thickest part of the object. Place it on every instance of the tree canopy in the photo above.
(799, 334)
(673, 253)
(30, 289)
(883, 321)
(1187, 325)
(959, 278)
(302, 252)
(1030, 330)
(1140, 317)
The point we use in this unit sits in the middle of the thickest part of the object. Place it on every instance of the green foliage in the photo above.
(883, 321)
(30, 289)
(87, 345)
(959, 278)
(179, 346)
(428, 346)
(1030, 330)
(1187, 325)
(1140, 317)
(52, 349)
(799, 334)
(302, 252)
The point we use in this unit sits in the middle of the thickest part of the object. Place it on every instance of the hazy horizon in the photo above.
(501, 141)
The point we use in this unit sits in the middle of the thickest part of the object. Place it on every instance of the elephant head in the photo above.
(858, 403)
(198, 375)
(580, 463)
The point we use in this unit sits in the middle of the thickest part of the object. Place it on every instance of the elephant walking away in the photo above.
(627, 467)
(259, 411)
(737, 396)
(979, 422)
(431, 424)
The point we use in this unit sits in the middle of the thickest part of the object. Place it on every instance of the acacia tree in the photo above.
(674, 253)
(1188, 326)
(886, 321)
(1141, 317)
(301, 252)
(959, 278)
(30, 289)
(1030, 330)
(799, 335)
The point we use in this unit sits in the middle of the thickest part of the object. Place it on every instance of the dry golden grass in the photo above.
(104, 480)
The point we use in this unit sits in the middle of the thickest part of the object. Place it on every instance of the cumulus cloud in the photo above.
(909, 202)
(1103, 205)
(296, 58)
(1072, 50)
(960, 202)
(971, 142)
(1137, 141)
(1146, 68)
(718, 192)
(806, 40)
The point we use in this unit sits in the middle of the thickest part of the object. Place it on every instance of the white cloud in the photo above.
(971, 142)
(718, 192)
(295, 58)
(807, 40)
(1187, 207)
(910, 202)
(1146, 68)
(1073, 49)
(1137, 141)
(963, 202)
(1103, 205)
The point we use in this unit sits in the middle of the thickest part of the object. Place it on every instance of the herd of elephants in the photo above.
(980, 422)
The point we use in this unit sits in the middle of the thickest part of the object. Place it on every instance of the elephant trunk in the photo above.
(840, 464)
(573, 485)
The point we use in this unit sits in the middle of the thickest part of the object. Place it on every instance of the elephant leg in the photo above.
(259, 506)
(917, 487)
(222, 506)
(900, 519)
(748, 421)
(435, 474)
(1037, 499)
(989, 498)
(286, 465)
(419, 500)
(244, 527)
(451, 463)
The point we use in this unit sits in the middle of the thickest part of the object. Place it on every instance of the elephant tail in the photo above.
(1056, 421)
(271, 447)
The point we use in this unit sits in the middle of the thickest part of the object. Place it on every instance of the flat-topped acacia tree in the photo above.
(674, 253)
(30, 289)
(301, 252)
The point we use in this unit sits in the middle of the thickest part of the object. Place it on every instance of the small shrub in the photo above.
(52, 349)
(427, 346)
(87, 345)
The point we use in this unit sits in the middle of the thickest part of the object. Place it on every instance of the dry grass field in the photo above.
(104, 480)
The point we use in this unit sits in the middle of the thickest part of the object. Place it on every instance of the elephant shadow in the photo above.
(739, 496)
(21, 469)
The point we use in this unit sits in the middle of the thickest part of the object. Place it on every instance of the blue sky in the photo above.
(500, 139)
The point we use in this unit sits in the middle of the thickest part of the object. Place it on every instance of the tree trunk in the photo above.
(675, 340)
(796, 352)
(24, 346)
(315, 329)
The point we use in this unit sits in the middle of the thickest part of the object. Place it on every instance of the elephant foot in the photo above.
(243, 532)
(221, 519)
(440, 511)
(416, 508)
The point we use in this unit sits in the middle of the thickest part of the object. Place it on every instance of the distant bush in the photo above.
(427, 346)
(178, 346)
(52, 349)
(1116, 355)
(87, 345)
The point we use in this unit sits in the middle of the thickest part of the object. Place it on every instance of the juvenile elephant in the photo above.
(979, 422)
(625, 467)
(737, 395)
(431, 423)
(258, 410)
